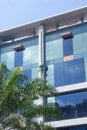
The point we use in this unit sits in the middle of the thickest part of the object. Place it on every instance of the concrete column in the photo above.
(41, 53)
(42, 65)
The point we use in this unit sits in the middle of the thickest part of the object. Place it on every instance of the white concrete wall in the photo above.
(70, 122)
(73, 87)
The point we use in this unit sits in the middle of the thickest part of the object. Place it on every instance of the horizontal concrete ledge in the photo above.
(70, 122)
(71, 88)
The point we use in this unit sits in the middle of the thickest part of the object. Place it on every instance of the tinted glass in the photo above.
(74, 128)
(67, 47)
(8, 58)
(28, 74)
(72, 105)
(69, 72)
(18, 58)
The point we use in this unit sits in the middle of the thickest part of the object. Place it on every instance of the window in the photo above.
(28, 74)
(67, 47)
(74, 128)
(73, 105)
(8, 58)
(18, 58)
(67, 43)
(70, 72)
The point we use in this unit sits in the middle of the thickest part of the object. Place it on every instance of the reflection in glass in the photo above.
(72, 105)
(69, 72)
(74, 128)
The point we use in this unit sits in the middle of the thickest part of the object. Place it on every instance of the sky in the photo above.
(18, 12)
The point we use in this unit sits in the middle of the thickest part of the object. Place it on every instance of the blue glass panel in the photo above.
(54, 50)
(50, 36)
(35, 72)
(69, 72)
(74, 128)
(30, 55)
(28, 73)
(67, 47)
(8, 58)
(72, 105)
(50, 74)
(18, 58)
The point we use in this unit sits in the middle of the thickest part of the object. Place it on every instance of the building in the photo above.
(54, 48)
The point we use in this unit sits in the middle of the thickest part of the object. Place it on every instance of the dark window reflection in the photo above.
(67, 47)
(18, 58)
(72, 105)
(69, 72)
(74, 128)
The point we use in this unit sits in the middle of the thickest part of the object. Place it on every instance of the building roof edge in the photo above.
(62, 19)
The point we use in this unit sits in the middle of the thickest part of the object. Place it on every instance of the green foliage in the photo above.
(18, 110)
